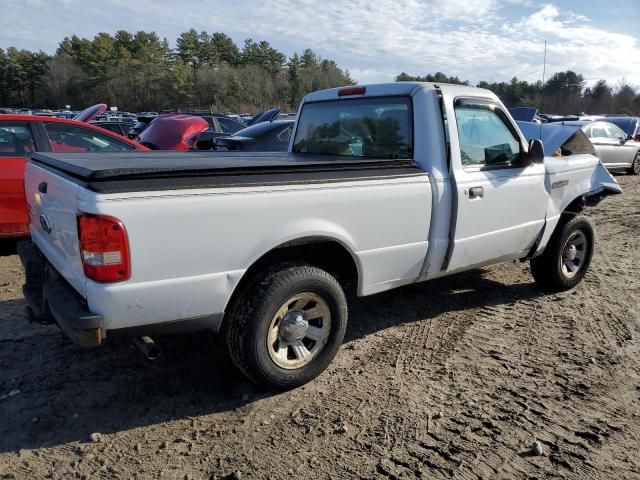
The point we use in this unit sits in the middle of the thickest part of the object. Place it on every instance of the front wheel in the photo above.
(567, 256)
(284, 328)
(634, 169)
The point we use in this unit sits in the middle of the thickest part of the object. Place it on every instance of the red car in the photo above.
(21, 135)
(172, 131)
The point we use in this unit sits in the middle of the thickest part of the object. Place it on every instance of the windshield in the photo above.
(365, 127)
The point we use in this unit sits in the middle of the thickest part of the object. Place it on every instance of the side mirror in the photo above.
(536, 151)
(205, 141)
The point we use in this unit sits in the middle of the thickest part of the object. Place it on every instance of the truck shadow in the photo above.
(8, 246)
(52, 392)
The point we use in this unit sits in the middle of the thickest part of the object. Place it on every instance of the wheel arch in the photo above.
(567, 208)
(330, 253)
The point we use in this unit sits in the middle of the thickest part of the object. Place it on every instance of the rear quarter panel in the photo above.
(190, 248)
(59, 204)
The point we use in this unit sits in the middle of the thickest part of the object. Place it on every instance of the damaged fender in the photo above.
(572, 173)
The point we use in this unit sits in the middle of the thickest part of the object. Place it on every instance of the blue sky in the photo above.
(375, 40)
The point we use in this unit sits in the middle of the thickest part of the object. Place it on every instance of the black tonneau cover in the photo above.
(144, 171)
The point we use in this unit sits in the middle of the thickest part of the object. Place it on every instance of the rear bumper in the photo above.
(52, 299)
(11, 230)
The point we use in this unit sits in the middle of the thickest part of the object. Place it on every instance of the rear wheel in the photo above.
(285, 328)
(567, 256)
(634, 169)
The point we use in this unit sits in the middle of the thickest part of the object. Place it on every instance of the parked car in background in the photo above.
(45, 112)
(178, 131)
(263, 137)
(116, 117)
(616, 149)
(142, 122)
(218, 123)
(120, 127)
(630, 125)
(91, 112)
(173, 131)
(65, 114)
(22, 135)
(266, 116)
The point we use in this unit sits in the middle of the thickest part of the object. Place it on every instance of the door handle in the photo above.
(476, 192)
(42, 188)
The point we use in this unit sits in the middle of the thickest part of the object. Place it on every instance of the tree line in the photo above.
(563, 93)
(139, 71)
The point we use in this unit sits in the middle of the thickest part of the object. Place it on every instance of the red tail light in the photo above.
(104, 248)
(343, 92)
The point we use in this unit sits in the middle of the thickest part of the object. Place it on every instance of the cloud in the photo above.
(479, 40)
(573, 42)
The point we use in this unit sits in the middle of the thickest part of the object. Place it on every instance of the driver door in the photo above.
(501, 200)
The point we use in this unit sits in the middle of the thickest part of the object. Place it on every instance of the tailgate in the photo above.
(53, 207)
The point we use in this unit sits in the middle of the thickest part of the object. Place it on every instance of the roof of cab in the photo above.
(399, 88)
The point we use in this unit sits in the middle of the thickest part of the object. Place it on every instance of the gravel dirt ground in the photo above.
(455, 378)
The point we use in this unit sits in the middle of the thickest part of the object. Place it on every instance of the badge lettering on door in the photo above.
(559, 184)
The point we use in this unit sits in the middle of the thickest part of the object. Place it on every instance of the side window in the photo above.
(16, 139)
(213, 126)
(615, 132)
(112, 127)
(229, 126)
(72, 138)
(587, 131)
(485, 139)
(284, 135)
(598, 131)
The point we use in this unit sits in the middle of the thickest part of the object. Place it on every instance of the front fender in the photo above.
(602, 184)
(577, 178)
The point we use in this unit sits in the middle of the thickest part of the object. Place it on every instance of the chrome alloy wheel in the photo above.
(574, 254)
(299, 330)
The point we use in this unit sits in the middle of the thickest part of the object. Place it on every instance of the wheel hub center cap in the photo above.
(293, 327)
(571, 252)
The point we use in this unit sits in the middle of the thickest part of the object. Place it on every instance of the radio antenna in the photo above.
(544, 71)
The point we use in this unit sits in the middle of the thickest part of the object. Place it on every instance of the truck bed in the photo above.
(145, 171)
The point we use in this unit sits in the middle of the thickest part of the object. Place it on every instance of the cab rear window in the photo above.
(364, 127)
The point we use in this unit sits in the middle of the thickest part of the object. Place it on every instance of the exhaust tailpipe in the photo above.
(150, 349)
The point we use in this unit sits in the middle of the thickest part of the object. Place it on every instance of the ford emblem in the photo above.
(45, 222)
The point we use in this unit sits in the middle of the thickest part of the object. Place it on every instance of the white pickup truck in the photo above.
(384, 185)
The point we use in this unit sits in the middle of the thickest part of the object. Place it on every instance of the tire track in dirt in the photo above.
(448, 379)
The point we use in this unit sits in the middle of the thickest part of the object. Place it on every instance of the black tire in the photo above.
(250, 319)
(634, 169)
(547, 269)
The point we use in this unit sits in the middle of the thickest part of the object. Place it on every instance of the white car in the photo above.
(615, 149)
(384, 185)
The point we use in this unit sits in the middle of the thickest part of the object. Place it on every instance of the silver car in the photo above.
(616, 149)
